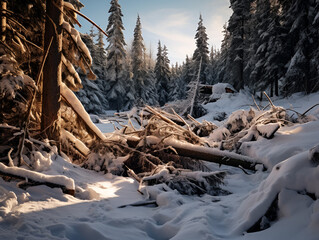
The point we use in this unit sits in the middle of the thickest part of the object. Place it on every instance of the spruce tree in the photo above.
(115, 79)
(236, 58)
(162, 73)
(138, 64)
(201, 52)
(301, 37)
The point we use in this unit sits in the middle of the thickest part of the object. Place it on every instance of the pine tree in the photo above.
(162, 73)
(236, 55)
(301, 37)
(100, 54)
(201, 52)
(221, 62)
(138, 62)
(115, 80)
(91, 95)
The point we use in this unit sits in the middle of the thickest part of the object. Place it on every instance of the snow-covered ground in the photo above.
(97, 212)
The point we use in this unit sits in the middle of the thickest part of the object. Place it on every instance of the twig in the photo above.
(24, 39)
(130, 122)
(180, 118)
(255, 102)
(309, 109)
(265, 106)
(193, 119)
(7, 47)
(271, 103)
(167, 120)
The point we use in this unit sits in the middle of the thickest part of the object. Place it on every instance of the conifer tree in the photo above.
(115, 79)
(201, 51)
(162, 73)
(236, 55)
(138, 64)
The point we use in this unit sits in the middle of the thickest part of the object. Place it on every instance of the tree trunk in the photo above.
(3, 20)
(276, 87)
(52, 73)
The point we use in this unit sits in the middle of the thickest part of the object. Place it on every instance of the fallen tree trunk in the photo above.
(205, 153)
(34, 178)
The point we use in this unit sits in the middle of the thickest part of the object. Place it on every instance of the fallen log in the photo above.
(32, 178)
(204, 153)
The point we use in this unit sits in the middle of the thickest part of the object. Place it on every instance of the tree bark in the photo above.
(3, 20)
(52, 73)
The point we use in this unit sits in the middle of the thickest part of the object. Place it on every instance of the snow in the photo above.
(40, 212)
(78, 107)
(38, 177)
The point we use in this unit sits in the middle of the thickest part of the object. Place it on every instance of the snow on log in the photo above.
(65, 183)
(203, 153)
(79, 145)
(268, 131)
(212, 154)
(77, 106)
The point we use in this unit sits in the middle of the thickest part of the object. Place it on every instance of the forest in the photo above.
(99, 139)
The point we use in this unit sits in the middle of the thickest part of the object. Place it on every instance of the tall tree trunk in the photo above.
(3, 20)
(52, 73)
(276, 87)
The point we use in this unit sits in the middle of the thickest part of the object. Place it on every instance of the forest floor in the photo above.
(100, 208)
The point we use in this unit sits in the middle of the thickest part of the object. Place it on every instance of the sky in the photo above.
(173, 22)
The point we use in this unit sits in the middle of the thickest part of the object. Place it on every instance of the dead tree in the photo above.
(52, 74)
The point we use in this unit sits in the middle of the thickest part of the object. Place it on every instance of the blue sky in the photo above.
(174, 22)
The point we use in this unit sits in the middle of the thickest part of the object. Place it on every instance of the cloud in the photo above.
(172, 27)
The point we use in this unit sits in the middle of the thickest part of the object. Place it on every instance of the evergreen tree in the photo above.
(91, 95)
(115, 80)
(236, 54)
(138, 62)
(162, 73)
(301, 37)
(201, 51)
(221, 61)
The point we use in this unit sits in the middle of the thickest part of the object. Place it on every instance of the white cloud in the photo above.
(171, 27)
(176, 27)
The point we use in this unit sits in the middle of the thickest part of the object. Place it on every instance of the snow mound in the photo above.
(300, 176)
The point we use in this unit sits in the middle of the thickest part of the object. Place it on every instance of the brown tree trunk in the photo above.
(3, 20)
(52, 73)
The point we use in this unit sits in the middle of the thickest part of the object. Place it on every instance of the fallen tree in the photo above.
(32, 178)
(203, 153)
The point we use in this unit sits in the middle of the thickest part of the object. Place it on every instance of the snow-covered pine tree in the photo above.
(221, 62)
(92, 95)
(66, 52)
(300, 38)
(187, 74)
(174, 84)
(138, 63)
(201, 51)
(212, 67)
(116, 79)
(236, 54)
(258, 52)
(162, 73)
(150, 93)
